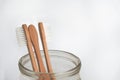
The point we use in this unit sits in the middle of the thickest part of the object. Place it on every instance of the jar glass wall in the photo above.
(66, 66)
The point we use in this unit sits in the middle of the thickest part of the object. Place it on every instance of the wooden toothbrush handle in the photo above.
(41, 65)
(39, 57)
(34, 40)
(30, 50)
(44, 43)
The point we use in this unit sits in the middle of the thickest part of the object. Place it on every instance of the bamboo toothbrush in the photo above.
(24, 39)
(34, 40)
(44, 43)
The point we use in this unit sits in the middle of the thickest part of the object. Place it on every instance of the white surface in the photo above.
(88, 28)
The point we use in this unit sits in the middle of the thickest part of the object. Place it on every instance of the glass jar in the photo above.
(66, 66)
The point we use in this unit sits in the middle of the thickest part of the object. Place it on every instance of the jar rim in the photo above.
(71, 71)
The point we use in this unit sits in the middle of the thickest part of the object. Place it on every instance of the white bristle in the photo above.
(21, 39)
(48, 33)
(21, 36)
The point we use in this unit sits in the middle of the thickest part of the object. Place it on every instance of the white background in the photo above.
(89, 29)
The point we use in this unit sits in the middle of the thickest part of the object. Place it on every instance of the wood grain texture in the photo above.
(30, 50)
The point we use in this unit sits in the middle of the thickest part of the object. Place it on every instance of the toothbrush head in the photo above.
(21, 37)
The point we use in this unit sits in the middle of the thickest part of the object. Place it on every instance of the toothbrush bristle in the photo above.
(21, 36)
(48, 33)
